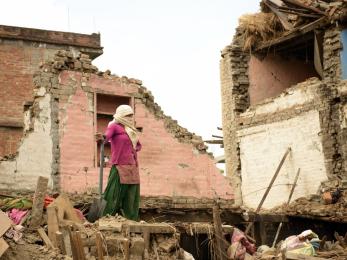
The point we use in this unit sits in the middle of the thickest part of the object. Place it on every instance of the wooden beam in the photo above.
(293, 256)
(45, 238)
(52, 223)
(220, 245)
(38, 202)
(60, 242)
(294, 33)
(270, 186)
(311, 8)
(3, 246)
(5, 223)
(99, 246)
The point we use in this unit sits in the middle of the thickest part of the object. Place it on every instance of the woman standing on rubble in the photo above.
(122, 193)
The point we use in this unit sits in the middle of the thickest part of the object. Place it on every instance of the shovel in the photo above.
(99, 204)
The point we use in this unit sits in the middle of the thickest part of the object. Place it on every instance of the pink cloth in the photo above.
(16, 215)
(243, 244)
(128, 174)
(122, 151)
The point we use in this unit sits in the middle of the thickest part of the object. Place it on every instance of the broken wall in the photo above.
(173, 162)
(267, 131)
(63, 118)
(22, 50)
(305, 117)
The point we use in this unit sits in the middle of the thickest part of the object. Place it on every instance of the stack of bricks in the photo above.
(65, 60)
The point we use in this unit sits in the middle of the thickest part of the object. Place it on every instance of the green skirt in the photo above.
(123, 199)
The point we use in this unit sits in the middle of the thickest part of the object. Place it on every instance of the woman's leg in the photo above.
(113, 193)
(131, 201)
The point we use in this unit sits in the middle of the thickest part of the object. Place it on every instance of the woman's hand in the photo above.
(99, 137)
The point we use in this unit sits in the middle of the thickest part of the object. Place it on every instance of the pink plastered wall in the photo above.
(167, 167)
(270, 76)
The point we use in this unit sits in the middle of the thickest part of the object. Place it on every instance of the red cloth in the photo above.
(128, 174)
(122, 151)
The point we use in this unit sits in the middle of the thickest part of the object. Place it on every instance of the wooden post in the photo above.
(269, 187)
(147, 238)
(45, 238)
(289, 199)
(67, 240)
(38, 202)
(79, 244)
(60, 242)
(73, 245)
(99, 246)
(220, 245)
(126, 247)
(52, 223)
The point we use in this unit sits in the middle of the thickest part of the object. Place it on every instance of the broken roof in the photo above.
(282, 20)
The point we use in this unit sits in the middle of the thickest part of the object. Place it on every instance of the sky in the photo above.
(173, 46)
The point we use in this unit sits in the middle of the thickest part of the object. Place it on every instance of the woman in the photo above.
(122, 193)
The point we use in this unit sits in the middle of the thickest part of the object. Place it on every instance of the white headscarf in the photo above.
(120, 117)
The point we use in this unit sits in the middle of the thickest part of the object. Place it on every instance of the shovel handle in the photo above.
(101, 173)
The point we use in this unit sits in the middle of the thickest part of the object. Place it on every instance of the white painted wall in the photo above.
(35, 151)
(262, 148)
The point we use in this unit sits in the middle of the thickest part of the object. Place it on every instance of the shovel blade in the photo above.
(96, 209)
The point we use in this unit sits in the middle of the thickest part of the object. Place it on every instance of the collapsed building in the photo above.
(283, 89)
(53, 101)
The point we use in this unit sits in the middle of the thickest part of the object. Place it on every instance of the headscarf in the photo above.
(120, 117)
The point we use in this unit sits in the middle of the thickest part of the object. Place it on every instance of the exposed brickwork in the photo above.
(173, 161)
(317, 112)
(235, 100)
(21, 52)
(54, 37)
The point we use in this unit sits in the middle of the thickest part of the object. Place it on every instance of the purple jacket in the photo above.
(122, 151)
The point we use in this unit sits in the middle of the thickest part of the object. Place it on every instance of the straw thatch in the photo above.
(258, 27)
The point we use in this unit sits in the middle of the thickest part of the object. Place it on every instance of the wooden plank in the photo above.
(5, 223)
(38, 202)
(152, 228)
(293, 256)
(220, 244)
(294, 33)
(60, 242)
(52, 223)
(302, 5)
(74, 246)
(99, 246)
(281, 16)
(270, 186)
(45, 238)
(126, 248)
(79, 245)
(147, 239)
(67, 241)
(3, 246)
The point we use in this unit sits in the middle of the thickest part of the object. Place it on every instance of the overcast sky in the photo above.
(173, 46)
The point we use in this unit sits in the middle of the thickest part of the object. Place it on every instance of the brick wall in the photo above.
(21, 52)
(168, 167)
(295, 119)
(308, 116)
(277, 74)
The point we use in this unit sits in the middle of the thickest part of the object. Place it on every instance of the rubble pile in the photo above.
(330, 205)
(64, 233)
(306, 245)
